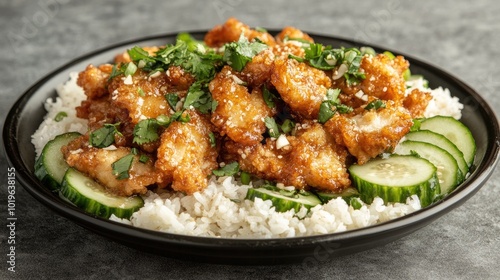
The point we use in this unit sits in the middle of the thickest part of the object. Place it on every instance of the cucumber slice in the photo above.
(94, 199)
(448, 173)
(396, 178)
(348, 194)
(455, 131)
(50, 167)
(443, 143)
(284, 200)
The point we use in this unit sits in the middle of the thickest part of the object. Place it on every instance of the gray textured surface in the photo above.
(458, 36)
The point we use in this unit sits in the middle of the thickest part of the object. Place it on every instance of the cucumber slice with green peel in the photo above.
(443, 143)
(90, 196)
(448, 173)
(455, 131)
(50, 167)
(284, 200)
(396, 178)
(347, 195)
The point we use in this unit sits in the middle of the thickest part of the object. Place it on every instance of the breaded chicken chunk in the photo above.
(384, 80)
(290, 32)
(311, 159)
(143, 96)
(98, 165)
(231, 31)
(301, 86)
(239, 114)
(186, 155)
(94, 80)
(369, 133)
(416, 102)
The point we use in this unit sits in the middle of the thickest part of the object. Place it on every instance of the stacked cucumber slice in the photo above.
(430, 162)
(54, 172)
(442, 141)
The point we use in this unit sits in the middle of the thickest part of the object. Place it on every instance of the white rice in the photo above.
(221, 210)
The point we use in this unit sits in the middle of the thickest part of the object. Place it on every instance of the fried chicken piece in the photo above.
(143, 96)
(94, 80)
(125, 57)
(368, 133)
(239, 114)
(231, 30)
(384, 80)
(290, 32)
(312, 159)
(179, 80)
(416, 102)
(186, 156)
(97, 164)
(258, 71)
(301, 86)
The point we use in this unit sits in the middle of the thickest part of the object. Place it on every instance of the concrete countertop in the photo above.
(460, 37)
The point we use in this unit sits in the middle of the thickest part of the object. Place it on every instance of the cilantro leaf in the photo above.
(269, 97)
(326, 112)
(172, 99)
(331, 105)
(104, 136)
(228, 169)
(375, 104)
(199, 97)
(122, 166)
(146, 131)
(211, 136)
(238, 54)
(272, 127)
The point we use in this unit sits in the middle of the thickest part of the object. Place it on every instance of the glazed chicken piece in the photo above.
(231, 30)
(239, 114)
(384, 80)
(258, 71)
(312, 159)
(290, 32)
(186, 155)
(416, 102)
(142, 95)
(301, 86)
(94, 80)
(368, 133)
(97, 164)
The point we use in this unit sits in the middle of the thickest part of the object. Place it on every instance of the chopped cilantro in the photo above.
(228, 169)
(211, 136)
(172, 99)
(375, 104)
(146, 131)
(60, 116)
(287, 126)
(272, 127)
(199, 97)
(326, 112)
(122, 166)
(269, 97)
(331, 105)
(328, 58)
(104, 136)
(143, 158)
(238, 54)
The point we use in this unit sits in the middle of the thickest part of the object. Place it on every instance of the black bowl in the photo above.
(27, 113)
